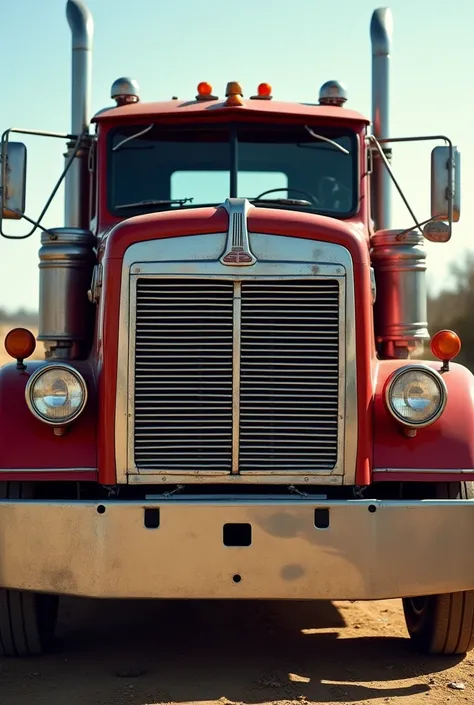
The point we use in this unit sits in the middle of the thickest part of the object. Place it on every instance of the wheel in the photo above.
(443, 624)
(27, 619)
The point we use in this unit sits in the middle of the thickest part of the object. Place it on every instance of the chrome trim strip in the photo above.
(436, 471)
(236, 377)
(129, 417)
(124, 368)
(348, 373)
(366, 552)
(210, 477)
(278, 257)
(43, 470)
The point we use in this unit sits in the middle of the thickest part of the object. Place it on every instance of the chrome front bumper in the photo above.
(370, 550)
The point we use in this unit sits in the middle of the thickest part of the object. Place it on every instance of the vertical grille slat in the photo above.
(289, 376)
(183, 375)
(236, 376)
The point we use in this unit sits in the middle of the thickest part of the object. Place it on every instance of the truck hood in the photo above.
(210, 220)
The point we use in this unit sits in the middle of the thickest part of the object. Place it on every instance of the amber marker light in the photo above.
(204, 91)
(20, 344)
(234, 94)
(264, 91)
(445, 345)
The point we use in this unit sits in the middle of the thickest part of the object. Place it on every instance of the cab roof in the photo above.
(218, 109)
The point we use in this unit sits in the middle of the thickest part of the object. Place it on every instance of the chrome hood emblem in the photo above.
(237, 250)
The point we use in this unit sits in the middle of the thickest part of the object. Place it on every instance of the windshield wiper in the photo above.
(163, 202)
(282, 201)
(133, 137)
(326, 139)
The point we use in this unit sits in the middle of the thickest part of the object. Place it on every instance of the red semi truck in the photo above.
(233, 400)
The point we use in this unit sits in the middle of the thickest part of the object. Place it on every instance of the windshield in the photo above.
(155, 167)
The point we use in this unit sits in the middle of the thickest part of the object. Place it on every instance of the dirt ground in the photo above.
(142, 653)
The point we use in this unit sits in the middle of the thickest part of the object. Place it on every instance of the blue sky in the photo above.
(170, 47)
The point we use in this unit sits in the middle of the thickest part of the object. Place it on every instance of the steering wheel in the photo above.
(313, 199)
(333, 195)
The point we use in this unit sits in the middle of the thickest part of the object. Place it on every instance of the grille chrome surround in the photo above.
(279, 259)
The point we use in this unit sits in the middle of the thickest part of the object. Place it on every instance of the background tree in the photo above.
(454, 309)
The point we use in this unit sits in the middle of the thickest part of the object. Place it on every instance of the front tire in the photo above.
(27, 619)
(443, 624)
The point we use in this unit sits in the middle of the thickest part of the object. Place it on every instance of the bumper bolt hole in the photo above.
(101, 509)
(372, 508)
(321, 518)
(152, 518)
(237, 578)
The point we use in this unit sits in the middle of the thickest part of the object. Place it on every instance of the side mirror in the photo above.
(13, 179)
(445, 184)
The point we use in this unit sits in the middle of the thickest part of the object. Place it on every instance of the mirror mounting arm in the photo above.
(376, 142)
(83, 140)
(37, 225)
(373, 140)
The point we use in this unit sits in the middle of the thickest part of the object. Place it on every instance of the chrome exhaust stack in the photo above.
(67, 253)
(76, 191)
(381, 28)
(400, 311)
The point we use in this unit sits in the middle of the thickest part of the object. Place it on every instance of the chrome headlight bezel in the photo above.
(430, 372)
(30, 388)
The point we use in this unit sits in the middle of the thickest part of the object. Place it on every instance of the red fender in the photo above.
(27, 444)
(447, 445)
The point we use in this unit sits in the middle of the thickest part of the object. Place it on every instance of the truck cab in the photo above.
(235, 400)
(197, 155)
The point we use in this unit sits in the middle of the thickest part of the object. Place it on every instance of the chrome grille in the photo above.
(183, 374)
(281, 416)
(289, 375)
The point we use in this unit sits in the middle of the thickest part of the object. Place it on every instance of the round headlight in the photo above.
(416, 395)
(56, 394)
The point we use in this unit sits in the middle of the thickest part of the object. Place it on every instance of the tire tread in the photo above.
(447, 625)
(20, 633)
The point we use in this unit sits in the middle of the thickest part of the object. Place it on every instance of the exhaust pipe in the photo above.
(381, 36)
(76, 192)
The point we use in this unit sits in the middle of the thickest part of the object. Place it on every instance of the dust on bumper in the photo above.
(276, 549)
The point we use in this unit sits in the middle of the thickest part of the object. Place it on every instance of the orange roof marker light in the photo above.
(445, 345)
(20, 343)
(264, 92)
(233, 94)
(204, 91)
